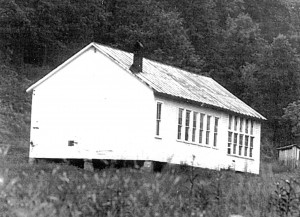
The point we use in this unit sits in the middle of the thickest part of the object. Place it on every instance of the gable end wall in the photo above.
(106, 111)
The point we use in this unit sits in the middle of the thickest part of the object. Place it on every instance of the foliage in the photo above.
(292, 113)
(47, 189)
(272, 83)
(284, 199)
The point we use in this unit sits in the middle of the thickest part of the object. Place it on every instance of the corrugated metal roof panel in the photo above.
(179, 83)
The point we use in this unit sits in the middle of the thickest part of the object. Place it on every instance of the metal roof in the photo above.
(181, 84)
(288, 147)
(171, 81)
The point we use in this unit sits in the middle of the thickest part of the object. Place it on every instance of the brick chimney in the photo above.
(137, 65)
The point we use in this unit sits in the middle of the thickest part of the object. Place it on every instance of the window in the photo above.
(201, 127)
(230, 122)
(180, 113)
(235, 142)
(246, 145)
(240, 136)
(229, 142)
(247, 126)
(235, 123)
(187, 124)
(251, 146)
(241, 144)
(207, 129)
(194, 126)
(216, 131)
(158, 118)
(241, 124)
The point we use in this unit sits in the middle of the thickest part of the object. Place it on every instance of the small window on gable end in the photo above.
(158, 118)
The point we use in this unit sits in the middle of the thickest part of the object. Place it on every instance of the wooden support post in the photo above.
(148, 166)
(31, 161)
(88, 165)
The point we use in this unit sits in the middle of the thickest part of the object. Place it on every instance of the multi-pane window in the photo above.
(180, 116)
(247, 126)
(229, 142)
(207, 129)
(194, 126)
(235, 123)
(158, 118)
(241, 144)
(216, 131)
(187, 124)
(230, 122)
(241, 124)
(235, 138)
(251, 146)
(201, 127)
(240, 136)
(246, 145)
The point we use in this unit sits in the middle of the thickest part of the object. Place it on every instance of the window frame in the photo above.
(241, 140)
(216, 130)
(242, 131)
(187, 124)
(251, 146)
(158, 119)
(201, 127)
(229, 146)
(208, 126)
(180, 116)
(194, 125)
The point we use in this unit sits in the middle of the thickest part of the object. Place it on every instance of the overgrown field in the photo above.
(48, 189)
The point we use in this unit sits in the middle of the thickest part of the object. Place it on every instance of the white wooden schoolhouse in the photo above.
(105, 103)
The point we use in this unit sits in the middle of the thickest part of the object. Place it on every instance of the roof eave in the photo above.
(205, 105)
(54, 71)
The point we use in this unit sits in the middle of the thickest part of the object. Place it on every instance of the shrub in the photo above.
(62, 190)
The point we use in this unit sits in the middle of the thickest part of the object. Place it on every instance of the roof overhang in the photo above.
(201, 104)
(54, 71)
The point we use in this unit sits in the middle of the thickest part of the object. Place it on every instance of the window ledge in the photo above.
(197, 144)
(242, 157)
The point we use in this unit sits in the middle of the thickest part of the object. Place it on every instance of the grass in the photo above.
(49, 189)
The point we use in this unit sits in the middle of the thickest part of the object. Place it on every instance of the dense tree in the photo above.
(161, 31)
(273, 17)
(33, 30)
(240, 46)
(273, 83)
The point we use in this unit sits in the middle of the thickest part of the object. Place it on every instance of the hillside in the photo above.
(14, 111)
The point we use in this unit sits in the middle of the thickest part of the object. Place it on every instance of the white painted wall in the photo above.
(207, 156)
(105, 109)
